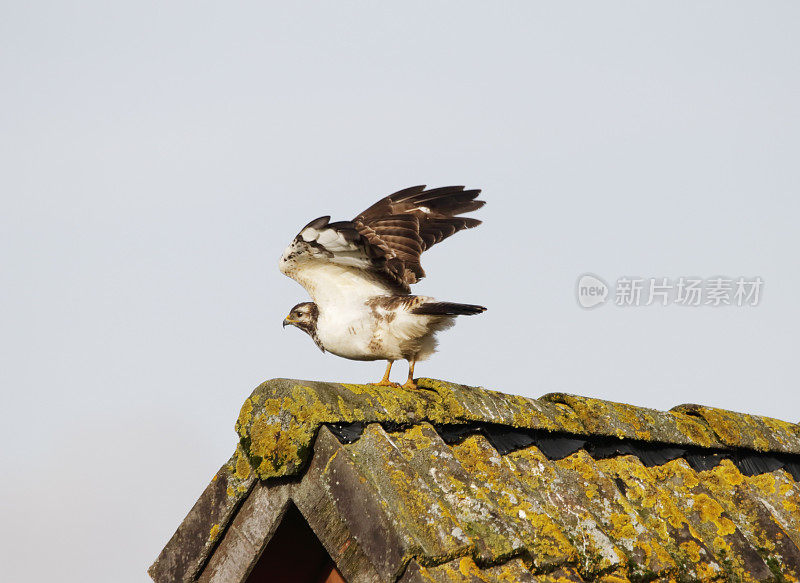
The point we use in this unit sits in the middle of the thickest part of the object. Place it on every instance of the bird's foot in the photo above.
(385, 383)
(410, 384)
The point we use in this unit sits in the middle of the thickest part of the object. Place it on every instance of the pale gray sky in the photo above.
(156, 157)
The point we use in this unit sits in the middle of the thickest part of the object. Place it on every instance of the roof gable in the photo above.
(426, 485)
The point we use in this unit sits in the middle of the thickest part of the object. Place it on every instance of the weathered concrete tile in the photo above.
(644, 554)
(493, 481)
(627, 421)
(563, 575)
(189, 548)
(753, 518)
(277, 424)
(348, 516)
(567, 504)
(462, 404)
(711, 523)
(464, 570)
(613, 578)
(781, 495)
(496, 535)
(662, 517)
(251, 529)
(416, 573)
(416, 509)
(747, 431)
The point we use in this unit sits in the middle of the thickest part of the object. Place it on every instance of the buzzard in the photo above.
(359, 274)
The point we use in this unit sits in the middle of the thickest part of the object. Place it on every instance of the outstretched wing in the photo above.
(408, 222)
(378, 252)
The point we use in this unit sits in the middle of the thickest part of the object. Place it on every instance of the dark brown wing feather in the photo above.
(401, 226)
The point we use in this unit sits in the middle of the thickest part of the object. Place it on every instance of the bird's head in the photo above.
(303, 316)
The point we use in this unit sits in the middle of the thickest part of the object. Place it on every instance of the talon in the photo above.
(410, 384)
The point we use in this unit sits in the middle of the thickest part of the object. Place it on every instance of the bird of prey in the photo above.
(359, 274)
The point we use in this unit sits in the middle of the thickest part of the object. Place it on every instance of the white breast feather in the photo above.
(333, 286)
(339, 280)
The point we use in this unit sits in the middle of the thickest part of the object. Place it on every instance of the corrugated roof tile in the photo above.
(567, 504)
(644, 554)
(620, 420)
(753, 518)
(416, 508)
(464, 570)
(662, 516)
(277, 424)
(710, 522)
(456, 483)
(749, 431)
(546, 543)
(497, 535)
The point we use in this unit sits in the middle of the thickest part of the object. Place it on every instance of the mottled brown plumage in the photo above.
(396, 230)
(359, 274)
(399, 228)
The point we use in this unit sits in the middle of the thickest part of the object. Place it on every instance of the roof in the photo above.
(456, 483)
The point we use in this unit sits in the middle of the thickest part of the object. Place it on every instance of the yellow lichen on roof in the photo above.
(465, 569)
(627, 421)
(644, 552)
(459, 403)
(567, 503)
(465, 498)
(496, 480)
(662, 516)
(709, 521)
(279, 421)
(747, 431)
(753, 516)
(474, 485)
(781, 494)
(421, 515)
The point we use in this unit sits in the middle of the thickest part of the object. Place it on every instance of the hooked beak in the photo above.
(288, 322)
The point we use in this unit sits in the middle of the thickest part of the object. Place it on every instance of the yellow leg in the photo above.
(410, 384)
(385, 382)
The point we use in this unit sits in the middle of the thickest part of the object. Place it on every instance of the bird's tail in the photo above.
(447, 309)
